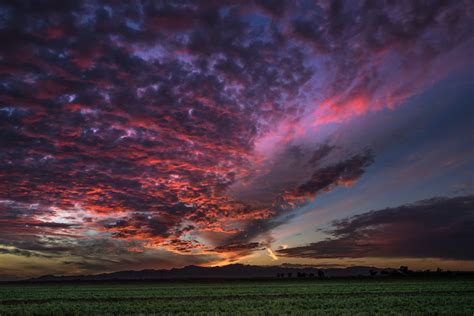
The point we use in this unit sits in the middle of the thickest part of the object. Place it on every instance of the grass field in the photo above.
(305, 297)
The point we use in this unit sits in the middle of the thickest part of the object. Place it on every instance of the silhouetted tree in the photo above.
(404, 269)
(290, 274)
(320, 273)
(373, 272)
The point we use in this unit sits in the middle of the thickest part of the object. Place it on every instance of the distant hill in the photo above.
(233, 271)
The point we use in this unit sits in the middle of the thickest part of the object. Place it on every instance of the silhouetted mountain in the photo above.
(233, 271)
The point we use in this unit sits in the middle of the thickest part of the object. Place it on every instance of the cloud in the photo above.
(124, 132)
(293, 178)
(18, 252)
(151, 123)
(434, 228)
(345, 172)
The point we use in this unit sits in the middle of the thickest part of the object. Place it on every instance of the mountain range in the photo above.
(232, 271)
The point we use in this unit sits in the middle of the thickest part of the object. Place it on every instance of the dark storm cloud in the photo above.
(287, 186)
(434, 228)
(284, 173)
(132, 120)
(320, 153)
(344, 172)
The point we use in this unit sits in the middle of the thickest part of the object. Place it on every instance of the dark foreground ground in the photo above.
(298, 297)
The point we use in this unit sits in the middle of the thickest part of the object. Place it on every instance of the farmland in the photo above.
(394, 296)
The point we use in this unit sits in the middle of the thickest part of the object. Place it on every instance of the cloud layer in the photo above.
(152, 124)
(435, 228)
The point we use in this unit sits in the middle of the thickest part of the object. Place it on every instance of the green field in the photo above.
(305, 297)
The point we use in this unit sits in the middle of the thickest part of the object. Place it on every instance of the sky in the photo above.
(160, 134)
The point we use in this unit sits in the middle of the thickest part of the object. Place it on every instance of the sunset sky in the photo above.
(159, 134)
